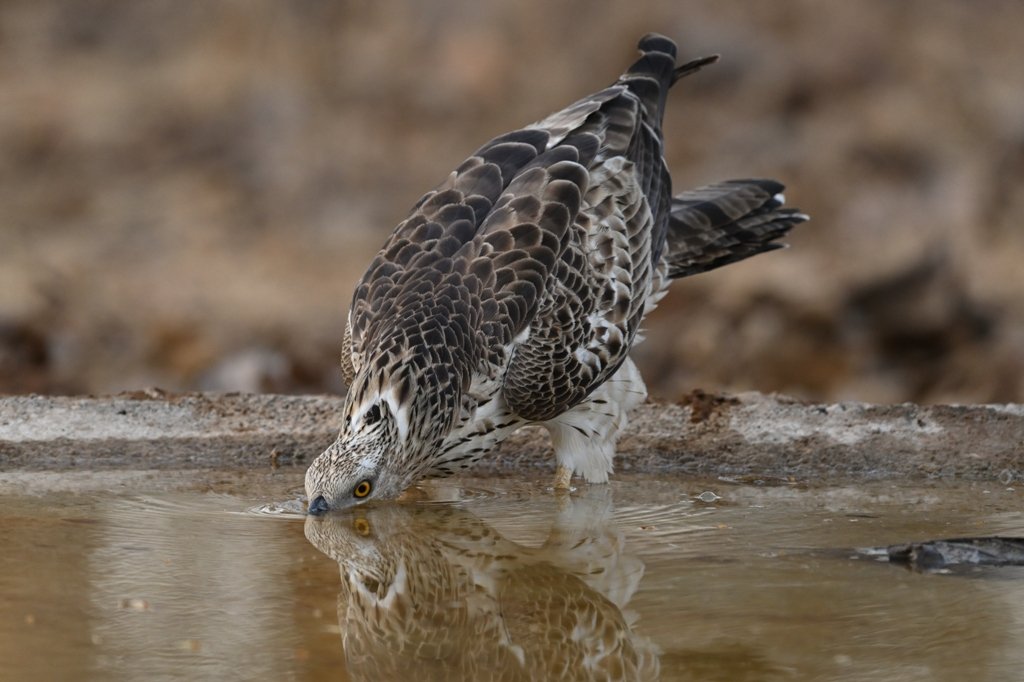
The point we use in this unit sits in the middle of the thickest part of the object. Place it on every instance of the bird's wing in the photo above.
(463, 275)
(532, 262)
(595, 302)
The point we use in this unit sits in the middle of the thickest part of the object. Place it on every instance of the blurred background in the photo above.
(189, 190)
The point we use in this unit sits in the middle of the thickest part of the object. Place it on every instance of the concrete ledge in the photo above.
(745, 435)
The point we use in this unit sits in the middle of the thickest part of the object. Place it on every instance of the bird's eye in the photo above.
(362, 489)
(372, 415)
(362, 526)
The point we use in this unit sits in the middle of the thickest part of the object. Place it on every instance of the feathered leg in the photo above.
(584, 437)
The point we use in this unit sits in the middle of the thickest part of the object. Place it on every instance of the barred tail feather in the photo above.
(724, 223)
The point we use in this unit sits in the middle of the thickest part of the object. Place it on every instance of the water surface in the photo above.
(218, 576)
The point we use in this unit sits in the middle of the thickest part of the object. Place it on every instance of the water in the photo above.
(199, 576)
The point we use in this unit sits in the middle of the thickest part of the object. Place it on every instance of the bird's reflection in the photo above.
(432, 591)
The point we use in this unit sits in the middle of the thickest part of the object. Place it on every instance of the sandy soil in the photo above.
(189, 190)
(749, 435)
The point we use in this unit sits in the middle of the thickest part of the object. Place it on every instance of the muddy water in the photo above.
(195, 576)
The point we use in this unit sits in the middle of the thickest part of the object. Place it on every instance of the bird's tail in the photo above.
(726, 222)
(651, 76)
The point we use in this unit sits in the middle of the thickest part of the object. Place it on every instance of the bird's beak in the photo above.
(318, 506)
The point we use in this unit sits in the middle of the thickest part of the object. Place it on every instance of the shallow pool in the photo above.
(219, 576)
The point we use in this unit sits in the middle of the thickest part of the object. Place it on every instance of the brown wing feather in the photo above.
(463, 275)
(440, 232)
(594, 305)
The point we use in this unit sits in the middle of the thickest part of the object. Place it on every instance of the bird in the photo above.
(436, 590)
(512, 293)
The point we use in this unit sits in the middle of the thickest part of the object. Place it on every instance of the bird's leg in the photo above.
(583, 437)
(563, 475)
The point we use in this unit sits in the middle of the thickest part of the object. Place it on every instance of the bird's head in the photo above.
(362, 464)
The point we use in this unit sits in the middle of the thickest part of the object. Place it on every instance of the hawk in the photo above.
(512, 293)
(434, 591)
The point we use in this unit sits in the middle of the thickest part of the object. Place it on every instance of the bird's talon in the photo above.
(563, 478)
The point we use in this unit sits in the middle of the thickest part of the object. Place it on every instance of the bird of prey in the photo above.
(435, 592)
(512, 293)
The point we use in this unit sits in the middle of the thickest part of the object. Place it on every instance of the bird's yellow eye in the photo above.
(362, 489)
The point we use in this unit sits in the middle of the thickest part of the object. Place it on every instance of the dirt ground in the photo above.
(749, 436)
(189, 190)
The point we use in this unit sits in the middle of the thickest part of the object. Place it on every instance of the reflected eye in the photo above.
(361, 526)
(362, 489)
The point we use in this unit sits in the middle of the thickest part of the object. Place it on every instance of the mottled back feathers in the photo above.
(524, 277)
